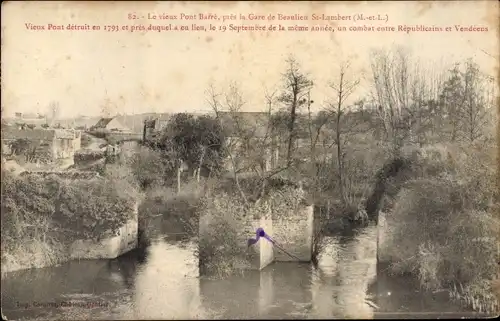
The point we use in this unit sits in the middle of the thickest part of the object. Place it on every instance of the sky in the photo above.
(139, 72)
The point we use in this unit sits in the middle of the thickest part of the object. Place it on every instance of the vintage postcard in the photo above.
(250, 160)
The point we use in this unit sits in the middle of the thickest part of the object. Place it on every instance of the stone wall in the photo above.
(294, 232)
(290, 225)
(260, 254)
(383, 238)
(265, 247)
(119, 136)
(124, 240)
(111, 244)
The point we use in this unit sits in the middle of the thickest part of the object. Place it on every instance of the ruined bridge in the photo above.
(291, 225)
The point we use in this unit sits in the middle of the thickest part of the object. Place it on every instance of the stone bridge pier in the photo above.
(292, 231)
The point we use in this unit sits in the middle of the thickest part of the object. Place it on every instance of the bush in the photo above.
(442, 226)
(222, 218)
(53, 212)
(85, 140)
(226, 223)
(88, 156)
(149, 168)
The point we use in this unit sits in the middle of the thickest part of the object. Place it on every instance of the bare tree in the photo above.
(343, 88)
(451, 99)
(251, 142)
(474, 108)
(296, 89)
(391, 80)
(406, 95)
(234, 101)
(465, 97)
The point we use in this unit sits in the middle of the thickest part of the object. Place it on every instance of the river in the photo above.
(164, 283)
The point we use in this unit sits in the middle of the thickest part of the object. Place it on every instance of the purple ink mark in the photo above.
(261, 233)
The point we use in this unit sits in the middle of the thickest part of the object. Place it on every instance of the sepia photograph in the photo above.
(185, 160)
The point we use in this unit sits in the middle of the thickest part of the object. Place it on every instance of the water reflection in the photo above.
(163, 282)
(346, 268)
(167, 287)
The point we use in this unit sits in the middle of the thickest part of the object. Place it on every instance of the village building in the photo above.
(40, 144)
(30, 119)
(239, 127)
(109, 124)
(152, 127)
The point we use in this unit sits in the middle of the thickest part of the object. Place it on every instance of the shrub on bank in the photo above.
(41, 215)
(442, 227)
(220, 247)
(149, 168)
(226, 223)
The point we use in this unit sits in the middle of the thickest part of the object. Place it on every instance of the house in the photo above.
(30, 119)
(109, 124)
(255, 124)
(272, 136)
(241, 128)
(154, 125)
(40, 144)
(80, 122)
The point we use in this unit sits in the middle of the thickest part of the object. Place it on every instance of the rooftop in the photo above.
(235, 123)
(13, 132)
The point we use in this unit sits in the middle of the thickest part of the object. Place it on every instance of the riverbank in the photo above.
(438, 223)
(132, 288)
(44, 218)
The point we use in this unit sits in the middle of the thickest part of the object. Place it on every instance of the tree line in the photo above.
(408, 104)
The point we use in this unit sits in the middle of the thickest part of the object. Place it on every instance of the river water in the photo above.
(164, 283)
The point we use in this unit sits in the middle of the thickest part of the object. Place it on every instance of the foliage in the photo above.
(19, 146)
(197, 141)
(53, 211)
(178, 211)
(86, 156)
(221, 247)
(442, 225)
(466, 97)
(150, 168)
(85, 140)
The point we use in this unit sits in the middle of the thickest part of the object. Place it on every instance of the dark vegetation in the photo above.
(42, 214)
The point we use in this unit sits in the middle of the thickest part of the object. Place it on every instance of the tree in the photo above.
(474, 108)
(405, 94)
(19, 147)
(465, 99)
(238, 135)
(295, 92)
(343, 88)
(192, 142)
(149, 168)
(452, 100)
(250, 138)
